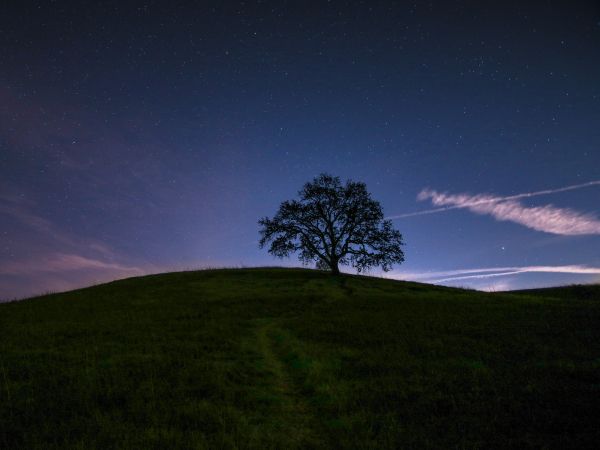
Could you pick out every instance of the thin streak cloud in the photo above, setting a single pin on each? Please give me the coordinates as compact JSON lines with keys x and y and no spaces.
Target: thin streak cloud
{"x":492,"y":272}
{"x":479,"y":200}
{"x":62,"y":262}
{"x":548,"y":218}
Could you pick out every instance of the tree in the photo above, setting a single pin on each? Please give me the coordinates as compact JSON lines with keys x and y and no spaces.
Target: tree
{"x":333,"y":224}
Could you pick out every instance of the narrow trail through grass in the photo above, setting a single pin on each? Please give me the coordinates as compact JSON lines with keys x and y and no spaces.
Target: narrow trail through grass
{"x":295,"y":416}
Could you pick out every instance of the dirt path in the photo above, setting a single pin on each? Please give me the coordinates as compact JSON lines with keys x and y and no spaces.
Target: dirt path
{"x":295,"y":416}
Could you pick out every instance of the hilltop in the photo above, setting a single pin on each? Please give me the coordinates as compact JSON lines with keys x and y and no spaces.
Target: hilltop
{"x":292,"y":358}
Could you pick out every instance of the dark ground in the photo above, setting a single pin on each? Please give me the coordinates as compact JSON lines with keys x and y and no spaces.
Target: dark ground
{"x":286,"y":358}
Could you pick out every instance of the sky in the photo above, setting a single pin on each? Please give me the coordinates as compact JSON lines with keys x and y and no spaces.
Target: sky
{"x":146,"y":138}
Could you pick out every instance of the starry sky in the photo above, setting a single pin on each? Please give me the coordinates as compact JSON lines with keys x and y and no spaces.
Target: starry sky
{"x":151,"y":137}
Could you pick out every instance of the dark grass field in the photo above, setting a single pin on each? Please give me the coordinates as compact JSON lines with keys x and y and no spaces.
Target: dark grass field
{"x":580,"y":292}
{"x":284,"y":358}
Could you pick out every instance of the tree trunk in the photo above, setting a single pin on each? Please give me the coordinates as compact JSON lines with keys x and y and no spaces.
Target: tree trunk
{"x":335,"y":270}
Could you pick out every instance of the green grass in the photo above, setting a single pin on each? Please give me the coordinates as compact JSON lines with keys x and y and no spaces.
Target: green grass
{"x":580,"y":292}
{"x":285,"y":358}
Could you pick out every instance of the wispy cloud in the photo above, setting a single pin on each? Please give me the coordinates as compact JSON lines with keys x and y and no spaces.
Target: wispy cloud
{"x":34,"y":222}
{"x":493,"y":272}
{"x":65,"y":262}
{"x":56,"y":272}
{"x":548,"y":218}
{"x":21,"y":209}
{"x":57,"y":260}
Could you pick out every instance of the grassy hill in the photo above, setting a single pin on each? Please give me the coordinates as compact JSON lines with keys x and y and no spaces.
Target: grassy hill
{"x":285,"y":358}
{"x":578,"y":291}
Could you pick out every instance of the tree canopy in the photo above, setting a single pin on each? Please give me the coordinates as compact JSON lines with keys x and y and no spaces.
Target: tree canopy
{"x":333,"y":224}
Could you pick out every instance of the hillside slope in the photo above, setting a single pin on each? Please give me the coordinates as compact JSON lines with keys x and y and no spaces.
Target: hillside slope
{"x":574,"y":292}
{"x":286,"y":358}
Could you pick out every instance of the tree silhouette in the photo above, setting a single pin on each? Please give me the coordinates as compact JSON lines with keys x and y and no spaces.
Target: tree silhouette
{"x":333,"y":224}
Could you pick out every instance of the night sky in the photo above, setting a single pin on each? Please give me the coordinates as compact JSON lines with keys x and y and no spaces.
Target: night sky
{"x":152,"y":137}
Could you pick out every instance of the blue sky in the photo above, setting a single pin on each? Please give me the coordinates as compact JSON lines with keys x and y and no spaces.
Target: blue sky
{"x":137,"y":140}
